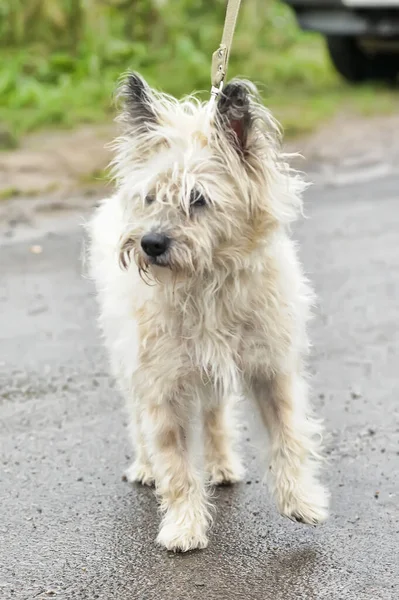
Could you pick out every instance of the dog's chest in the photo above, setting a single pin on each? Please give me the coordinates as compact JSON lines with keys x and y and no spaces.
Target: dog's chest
{"x":214,"y":331}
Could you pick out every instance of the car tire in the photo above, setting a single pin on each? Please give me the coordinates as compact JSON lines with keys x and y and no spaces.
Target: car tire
{"x":355,"y":65}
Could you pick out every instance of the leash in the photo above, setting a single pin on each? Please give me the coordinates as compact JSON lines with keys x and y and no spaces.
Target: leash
{"x":220,"y":58}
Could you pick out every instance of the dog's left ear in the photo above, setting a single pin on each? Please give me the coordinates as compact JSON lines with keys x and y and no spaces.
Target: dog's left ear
{"x":138,"y":101}
{"x":234,"y":113}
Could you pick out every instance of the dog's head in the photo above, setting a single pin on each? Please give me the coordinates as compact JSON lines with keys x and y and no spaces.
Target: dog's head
{"x":201,"y":192}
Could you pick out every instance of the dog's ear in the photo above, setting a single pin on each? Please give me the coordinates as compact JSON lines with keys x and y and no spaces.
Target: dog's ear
{"x":138,"y":101}
{"x":234,"y":113}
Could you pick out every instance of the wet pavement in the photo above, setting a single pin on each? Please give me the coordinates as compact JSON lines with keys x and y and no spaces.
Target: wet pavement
{"x":71,"y":528}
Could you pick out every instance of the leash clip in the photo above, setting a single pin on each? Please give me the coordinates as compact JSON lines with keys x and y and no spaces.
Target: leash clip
{"x":215,"y":91}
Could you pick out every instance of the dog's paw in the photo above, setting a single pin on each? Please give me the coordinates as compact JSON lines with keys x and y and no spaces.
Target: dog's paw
{"x":225,"y":472}
{"x":180,"y":538}
{"x":139,"y":472}
{"x":309,"y":507}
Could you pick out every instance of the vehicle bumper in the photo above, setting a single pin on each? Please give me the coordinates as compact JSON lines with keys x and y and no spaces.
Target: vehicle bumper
{"x":349,"y":17}
{"x":347,"y":23}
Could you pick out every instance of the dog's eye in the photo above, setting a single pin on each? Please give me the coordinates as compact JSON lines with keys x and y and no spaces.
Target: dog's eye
{"x":197,"y":199}
{"x":149,"y":199}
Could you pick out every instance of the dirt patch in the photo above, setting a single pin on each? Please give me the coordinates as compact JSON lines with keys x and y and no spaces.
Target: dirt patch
{"x":56,"y":162}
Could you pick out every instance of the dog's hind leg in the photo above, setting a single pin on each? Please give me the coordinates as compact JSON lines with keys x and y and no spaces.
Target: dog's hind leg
{"x":294,"y":438}
{"x":222,"y":463}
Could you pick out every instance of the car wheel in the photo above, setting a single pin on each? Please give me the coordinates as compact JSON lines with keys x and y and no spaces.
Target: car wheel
{"x":356,"y":65}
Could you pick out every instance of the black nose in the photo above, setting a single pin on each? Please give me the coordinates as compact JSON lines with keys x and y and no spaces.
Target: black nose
{"x":155,"y":244}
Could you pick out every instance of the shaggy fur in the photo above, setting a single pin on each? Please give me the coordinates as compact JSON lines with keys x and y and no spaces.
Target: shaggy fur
{"x":221,"y":313}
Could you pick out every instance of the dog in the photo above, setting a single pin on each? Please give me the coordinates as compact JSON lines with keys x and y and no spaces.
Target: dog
{"x":203,"y":300}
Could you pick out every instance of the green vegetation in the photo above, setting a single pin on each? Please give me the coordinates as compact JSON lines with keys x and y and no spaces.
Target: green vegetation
{"x":9,"y":192}
{"x":60,"y":60}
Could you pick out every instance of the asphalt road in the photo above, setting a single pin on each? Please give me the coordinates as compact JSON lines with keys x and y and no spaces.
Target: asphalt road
{"x":71,"y":528}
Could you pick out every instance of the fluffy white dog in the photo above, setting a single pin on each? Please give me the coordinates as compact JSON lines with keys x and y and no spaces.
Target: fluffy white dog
{"x":203,"y":299}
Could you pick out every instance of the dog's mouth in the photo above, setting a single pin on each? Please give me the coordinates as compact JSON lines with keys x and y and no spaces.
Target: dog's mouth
{"x":150,"y":267}
{"x":158,"y":261}
{"x":155,"y":269}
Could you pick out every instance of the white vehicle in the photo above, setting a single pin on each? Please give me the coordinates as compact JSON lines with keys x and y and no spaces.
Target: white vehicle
{"x":362,"y":35}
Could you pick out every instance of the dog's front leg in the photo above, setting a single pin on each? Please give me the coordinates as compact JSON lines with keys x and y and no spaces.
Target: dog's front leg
{"x":294,"y":439}
{"x":179,"y":484}
{"x":141,"y":470}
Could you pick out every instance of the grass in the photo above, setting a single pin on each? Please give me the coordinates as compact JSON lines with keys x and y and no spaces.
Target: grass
{"x":9,"y":192}
{"x":59,"y":66}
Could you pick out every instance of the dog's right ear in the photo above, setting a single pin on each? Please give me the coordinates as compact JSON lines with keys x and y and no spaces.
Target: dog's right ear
{"x":138,"y":102}
{"x":234,"y":113}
